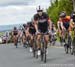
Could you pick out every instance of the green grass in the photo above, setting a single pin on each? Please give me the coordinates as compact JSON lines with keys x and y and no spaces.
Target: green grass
{"x":1,"y":33}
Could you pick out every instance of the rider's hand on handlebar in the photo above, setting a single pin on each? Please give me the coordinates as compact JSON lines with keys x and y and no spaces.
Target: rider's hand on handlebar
{"x":37,"y":32}
{"x":63,"y":28}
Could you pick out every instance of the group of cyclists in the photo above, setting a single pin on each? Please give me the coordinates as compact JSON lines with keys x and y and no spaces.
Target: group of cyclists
{"x":42,"y":25}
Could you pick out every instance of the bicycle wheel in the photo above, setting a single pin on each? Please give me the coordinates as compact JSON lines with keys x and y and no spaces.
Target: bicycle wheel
{"x":16,"y":42}
{"x":45,"y":52}
{"x":70,"y":46}
{"x":62,"y":41}
{"x":54,"y":40}
{"x":45,"y":56}
{"x":69,"y":43}
{"x":74,"y":50}
{"x":66,"y":48}
{"x":41,"y":55}
{"x":42,"y":49}
{"x":34,"y":48}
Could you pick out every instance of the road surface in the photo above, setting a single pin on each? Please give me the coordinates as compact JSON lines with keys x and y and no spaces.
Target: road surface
{"x":21,"y":57}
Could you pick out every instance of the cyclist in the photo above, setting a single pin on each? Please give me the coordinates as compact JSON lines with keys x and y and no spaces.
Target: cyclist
{"x":15,"y":36}
{"x":27,"y":34}
{"x":20,"y":35}
{"x":53,"y":32}
{"x":73,"y":19}
{"x":73,"y":26}
{"x":24,"y":36}
{"x":32,"y":31}
{"x":41,"y":21}
{"x":65,"y":22}
{"x":53,"y":28}
{"x":59,"y":25}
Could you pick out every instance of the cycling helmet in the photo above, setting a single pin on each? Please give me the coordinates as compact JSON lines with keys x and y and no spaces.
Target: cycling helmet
{"x":73,"y":14}
{"x":39,"y":9}
{"x":24,"y":25}
{"x":29,"y":23}
{"x":15,"y":28}
{"x":62,"y":14}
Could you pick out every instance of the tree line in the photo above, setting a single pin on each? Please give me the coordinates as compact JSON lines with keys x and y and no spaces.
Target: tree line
{"x":58,"y":6}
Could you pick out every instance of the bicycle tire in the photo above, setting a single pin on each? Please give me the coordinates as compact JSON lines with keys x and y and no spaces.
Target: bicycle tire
{"x":45,"y":56}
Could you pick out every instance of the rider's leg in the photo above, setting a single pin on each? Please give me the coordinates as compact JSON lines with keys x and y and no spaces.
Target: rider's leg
{"x":38,"y":44}
{"x":15,"y":40}
{"x":63,"y":36}
{"x":38,"y":41}
{"x":29,"y":38}
{"x":46,"y":40}
{"x":31,"y":41}
{"x":24,"y":41}
{"x":60,"y":35}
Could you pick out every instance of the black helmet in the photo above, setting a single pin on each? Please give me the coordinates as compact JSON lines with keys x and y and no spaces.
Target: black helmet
{"x":29,"y":23}
{"x":62,"y":14}
{"x":73,"y":14}
{"x":39,"y":9}
{"x":24,"y":25}
{"x":15,"y":28}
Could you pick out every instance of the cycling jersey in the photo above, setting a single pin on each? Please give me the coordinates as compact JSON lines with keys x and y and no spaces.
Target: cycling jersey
{"x":15,"y":32}
{"x":32,"y":29}
{"x":23,"y":31}
{"x":42,"y":22}
{"x":66,"y":22}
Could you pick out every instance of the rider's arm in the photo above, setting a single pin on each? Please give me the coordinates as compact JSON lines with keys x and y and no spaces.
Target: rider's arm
{"x":55,"y":28}
{"x":50,"y":23}
{"x":58,"y":25}
{"x":18,"y":33}
{"x":62,"y":26}
{"x":71,"y":23}
{"x":35,"y":22}
{"x":12,"y":33}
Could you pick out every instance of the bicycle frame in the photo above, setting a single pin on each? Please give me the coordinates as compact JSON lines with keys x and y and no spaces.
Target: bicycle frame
{"x":43,"y":48}
{"x":68,"y":41}
{"x":73,"y":44}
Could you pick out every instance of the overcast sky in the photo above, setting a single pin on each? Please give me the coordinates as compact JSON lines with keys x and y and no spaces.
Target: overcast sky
{"x":19,"y":11}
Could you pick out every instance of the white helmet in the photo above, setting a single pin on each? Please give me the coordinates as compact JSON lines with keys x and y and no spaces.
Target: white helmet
{"x":39,"y":9}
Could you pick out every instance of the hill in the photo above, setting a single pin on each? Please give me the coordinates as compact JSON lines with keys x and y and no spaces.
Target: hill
{"x":4,"y":28}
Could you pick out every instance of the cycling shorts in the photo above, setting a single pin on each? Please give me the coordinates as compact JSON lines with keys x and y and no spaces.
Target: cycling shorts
{"x":43,"y":27}
{"x":66,"y":25}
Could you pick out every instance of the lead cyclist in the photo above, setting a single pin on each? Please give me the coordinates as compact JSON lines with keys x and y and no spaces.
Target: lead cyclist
{"x":42,"y":23}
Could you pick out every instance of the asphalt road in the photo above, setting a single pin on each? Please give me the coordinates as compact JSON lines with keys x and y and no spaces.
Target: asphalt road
{"x":21,"y":57}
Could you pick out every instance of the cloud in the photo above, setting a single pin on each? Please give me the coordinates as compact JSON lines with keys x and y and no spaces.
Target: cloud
{"x":15,"y":2}
{"x":19,"y":11}
{"x":16,"y":14}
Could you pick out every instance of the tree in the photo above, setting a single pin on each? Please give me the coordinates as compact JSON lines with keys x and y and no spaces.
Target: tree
{"x":73,"y":5}
{"x":58,"y":6}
